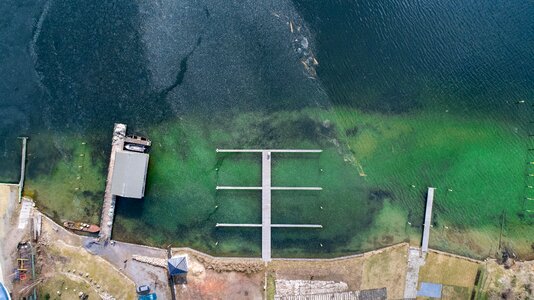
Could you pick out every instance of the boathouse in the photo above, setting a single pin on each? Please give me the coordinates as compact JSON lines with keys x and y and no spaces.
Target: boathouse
{"x":129,"y":174}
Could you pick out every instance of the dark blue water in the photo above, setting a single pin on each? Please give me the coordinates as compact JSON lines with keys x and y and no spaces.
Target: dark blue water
{"x":74,"y":65}
{"x":73,"y":68}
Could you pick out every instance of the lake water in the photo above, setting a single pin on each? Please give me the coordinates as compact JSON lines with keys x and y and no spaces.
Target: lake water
{"x":400,"y":96}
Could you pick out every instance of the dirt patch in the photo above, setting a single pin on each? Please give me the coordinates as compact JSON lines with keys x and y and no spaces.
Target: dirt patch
{"x":516,"y":282}
{"x":230,"y":285}
{"x":221,"y":278}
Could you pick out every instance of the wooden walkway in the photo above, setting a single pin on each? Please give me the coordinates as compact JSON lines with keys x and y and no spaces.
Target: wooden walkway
{"x":428,"y":219}
{"x":108,"y":209}
{"x":266,"y":189}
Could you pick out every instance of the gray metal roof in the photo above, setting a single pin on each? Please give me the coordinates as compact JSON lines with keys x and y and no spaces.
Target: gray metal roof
{"x":177,"y":265}
{"x":129,"y":174}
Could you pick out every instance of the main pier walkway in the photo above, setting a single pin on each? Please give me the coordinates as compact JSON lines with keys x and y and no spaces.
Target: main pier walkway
{"x":108,"y":209}
{"x":416,"y":256}
{"x":428,"y":219}
{"x":266,"y":189}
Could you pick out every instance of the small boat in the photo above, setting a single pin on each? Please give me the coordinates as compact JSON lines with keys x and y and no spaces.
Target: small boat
{"x":136,"y":148}
{"x":79,"y":226}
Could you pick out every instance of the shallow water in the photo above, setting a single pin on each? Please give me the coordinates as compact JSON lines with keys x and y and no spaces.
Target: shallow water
{"x":409,"y":95}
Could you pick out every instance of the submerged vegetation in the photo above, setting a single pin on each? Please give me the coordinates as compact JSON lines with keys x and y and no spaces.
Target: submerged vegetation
{"x":374,"y":171}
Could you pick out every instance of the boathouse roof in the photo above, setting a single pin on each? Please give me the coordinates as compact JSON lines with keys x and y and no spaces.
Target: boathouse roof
{"x":129,"y":174}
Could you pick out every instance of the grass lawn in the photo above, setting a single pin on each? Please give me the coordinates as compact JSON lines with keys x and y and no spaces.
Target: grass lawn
{"x":386,"y":268}
{"x":448,"y":270}
{"x":68,"y":257}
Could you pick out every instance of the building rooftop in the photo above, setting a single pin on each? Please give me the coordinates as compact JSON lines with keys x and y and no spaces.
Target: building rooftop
{"x":177,"y":265}
{"x":129,"y":174}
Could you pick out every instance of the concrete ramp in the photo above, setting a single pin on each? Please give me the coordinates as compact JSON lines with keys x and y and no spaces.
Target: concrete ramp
{"x":25,"y":213}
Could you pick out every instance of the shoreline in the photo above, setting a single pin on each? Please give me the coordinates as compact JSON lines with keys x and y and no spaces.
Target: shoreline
{"x":126,"y":259}
{"x":318,"y":259}
{"x":149,"y":248}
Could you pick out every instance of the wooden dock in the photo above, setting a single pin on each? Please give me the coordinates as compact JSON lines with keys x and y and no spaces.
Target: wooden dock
{"x":108,"y":208}
{"x":266,"y":189}
{"x":428,"y":219}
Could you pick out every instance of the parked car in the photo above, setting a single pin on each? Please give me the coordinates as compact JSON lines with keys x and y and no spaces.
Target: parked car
{"x":143,"y":290}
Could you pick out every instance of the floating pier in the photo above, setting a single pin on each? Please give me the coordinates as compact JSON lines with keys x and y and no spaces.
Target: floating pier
{"x":266,"y":189}
{"x":428,"y":219}
{"x":108,"y":209}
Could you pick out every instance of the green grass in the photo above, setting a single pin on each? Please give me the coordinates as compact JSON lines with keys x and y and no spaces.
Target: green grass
{"x":271,"y":286}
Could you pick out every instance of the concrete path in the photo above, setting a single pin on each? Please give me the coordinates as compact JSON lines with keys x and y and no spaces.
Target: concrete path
{"x":415,"y":261}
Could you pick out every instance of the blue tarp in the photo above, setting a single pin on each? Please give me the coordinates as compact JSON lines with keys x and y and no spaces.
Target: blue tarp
{"x":4,"y":295}
{"x":148,"y":297}
{"x":430,"y":290}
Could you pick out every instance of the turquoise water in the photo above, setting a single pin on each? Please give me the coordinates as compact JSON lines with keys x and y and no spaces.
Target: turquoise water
{"x":407,"y":94}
